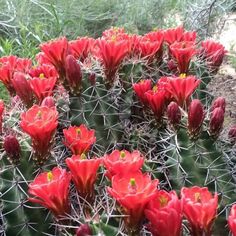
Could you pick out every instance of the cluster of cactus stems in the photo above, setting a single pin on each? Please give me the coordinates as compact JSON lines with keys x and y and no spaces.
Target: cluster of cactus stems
{"x":116,"y":136}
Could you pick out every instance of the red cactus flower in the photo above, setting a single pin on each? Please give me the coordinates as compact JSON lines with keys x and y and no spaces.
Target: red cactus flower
{"x":84,"y":174}
{"x":122,"y":162}
{"x":219,"y":102}
{"x":216,"y":121}
{"x":141,"y":88}
{"x":8,"y":66}
{"x":173,"y":114}
{"x":189,"y":36}
{"x":200,"y":209}
{"x":73,"y":74}
{"x":165,"y":214}
{"x":196,"y":116}
{"x":12,"y":148}
{"x":55,"y":52}
{"x":23,"y":89}
{"x":182,"y":88}
{"x":156,"y":101}
{"x":79,"y":139}
{"x":173,"y":35}
{"x":81,"y":47}
{"x":133,"y":191}
{"x":111,"y":54}
{"x":40,"y":123}
{"x":50,"y":189}
{"x":43,"y":81}
{"x":113,"y":33}
{"x":183,"y":53}
{"x":213,"y":53}
{"x":232,"y":134}
{"x":232,"y":220}
{"x":2,"y":107}
{"x":84,"y":230}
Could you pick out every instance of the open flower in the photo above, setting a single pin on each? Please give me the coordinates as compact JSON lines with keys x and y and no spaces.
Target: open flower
{"x":121,"y":162}
{"x":79,"y":139}
{"x":183,"y":53}
{"x":50,"y":189}
{"x":182,"y":88}
{"x":165,"y":214}
{"x":81,"y":47}
{"x":133,"y":191}
{"x":40,"y":123}
{"x":84,"y":174}
{"x":232,"y":220}
{"x":200,"y":209}
{"x":141,"y":88}
{"x":43,"y":80}
{"x":2,"y":107}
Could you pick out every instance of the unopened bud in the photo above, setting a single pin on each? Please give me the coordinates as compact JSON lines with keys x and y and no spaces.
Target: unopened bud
{"x":174,"y":114}
{"x":232,"y":134}
{"x":196,"y":116}
{"x":219,"y":102}
{"x":48,"y":102}
{"x":12,"y":148}
{"x":73,"y":74}
{"x":2,"y":107}
{"x":216,"y":121}
{"x":23,"y":89}
{"x":84,"y":230}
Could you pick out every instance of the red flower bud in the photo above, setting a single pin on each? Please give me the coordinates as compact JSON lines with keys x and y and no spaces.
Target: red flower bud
{"x":232,"y":220}
{"x":48,"y":102}
{"x":73,"y":74}
{"x":23,"y":89}
{"x":195,"y":118}
{"x":12,"y":148}
{"x":216,"y":121}
{"x":84,"y":230}
{"x":219,"y":102}
{"x":2,"y":106}
{"x":232,"y":134}
{"x":174,"y":114}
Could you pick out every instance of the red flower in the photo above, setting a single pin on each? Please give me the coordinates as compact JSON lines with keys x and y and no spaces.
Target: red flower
{"x":50,"y":190}
{"x":114,"y":33}
{"x":219,"y":102}
{"x":23,"y":89}
{"x":183,"y":53}
{"x":232,"y":220}
{"x":173,"y":114}
{"x":232,"y":134}
{"x":2,"y":107}
{"x":156,"y":101}
{"x":133,"y":191}
{"x":173,"y":35}
{"x":200,"y":209}
{"x":214,"y":54}
{"x":43,"y":81}
{"x":122,"y":162}
{"x":79,"y":139}
{"x":84,"y":174}
{"x":8,"y":66}
{"x":196,"y":116}
{"x":81,"y":47}
{"x":189,"y":36}
{"x":165,"y":214}
{"x":111,"y":54}
{"x":73,"y":74}
{"x":182,"y":88}
{"x":40,"y":123}
{"x":141,"y":88}
{"x":55,"y":52}
{"x":84,"y":230}
{"x":216,"y":121}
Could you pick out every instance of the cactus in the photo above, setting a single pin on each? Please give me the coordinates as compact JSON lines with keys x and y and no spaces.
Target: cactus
{"x":153,"y":117}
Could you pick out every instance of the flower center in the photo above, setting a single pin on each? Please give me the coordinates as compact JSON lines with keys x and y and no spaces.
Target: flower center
{"x":197,"y":197}
{"x":78,"y":131}
{"x":49,"y":176}
{"x":182,"y":75}
{"x":132,"y":185}
{"x":41,"y":76}
{"x":122,"y":155}
{"x":163,"y":201}
{"x":155,"y":88}
{"x":39,"y":115}
{"x":82,"y":156}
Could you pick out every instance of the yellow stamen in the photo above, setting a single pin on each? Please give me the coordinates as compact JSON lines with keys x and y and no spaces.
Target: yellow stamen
{"x":113,"y":38}
{"x":122,"y":154}
{"x":163,"y":201}
{"x":155,"y":88}
{"x":132,"y":182}
{"x":82,"y":156}
{"x":41,"y":76}
{"x":49,"y":176}
{"x":197,"y":197}
{"x":39,"y":115}
{"x":78,"y":131}
{"x":183,"y":75}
